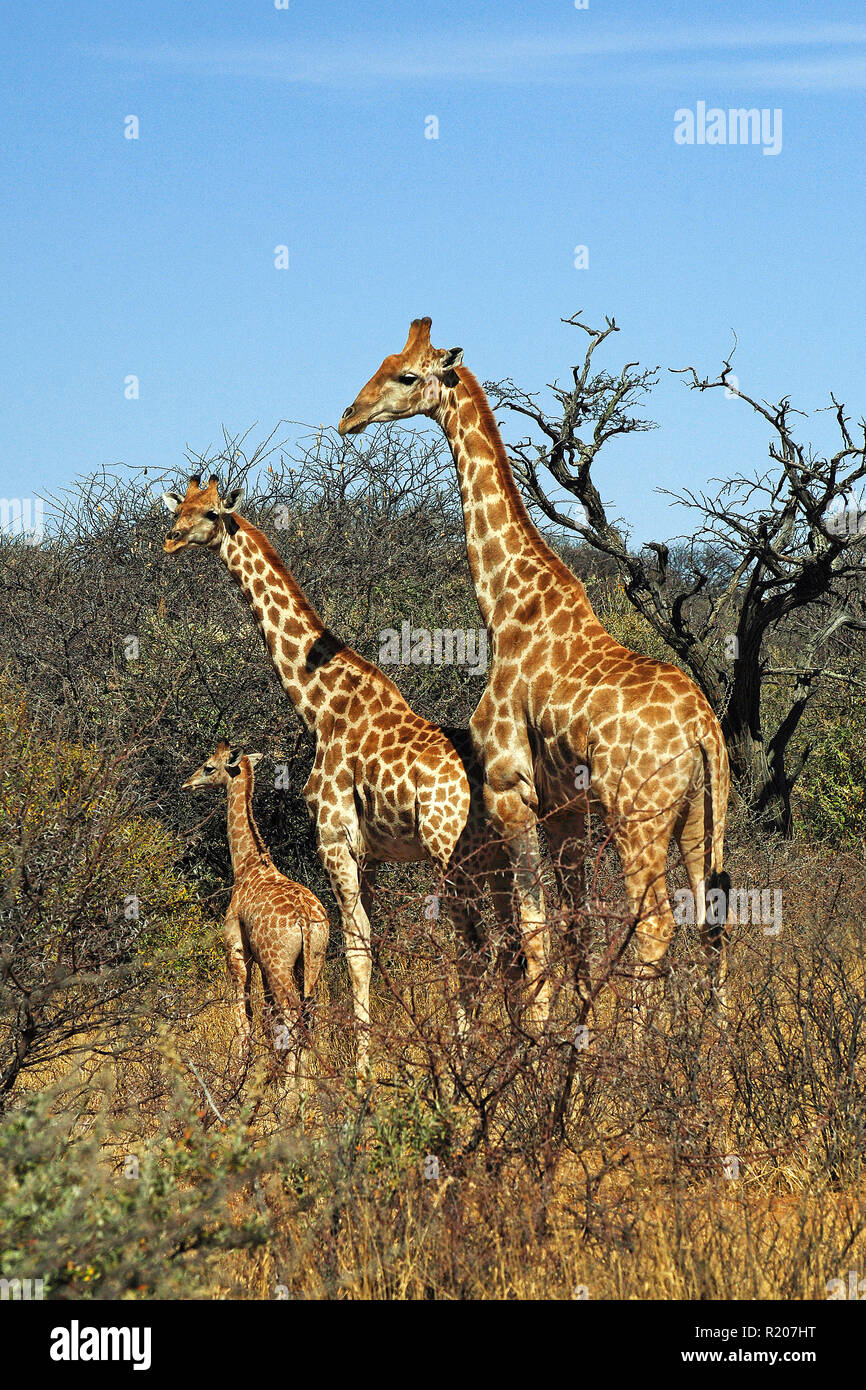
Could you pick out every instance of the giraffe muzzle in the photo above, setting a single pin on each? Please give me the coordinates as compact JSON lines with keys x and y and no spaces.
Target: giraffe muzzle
{"x":349,"y":424}
{"x":173,"y":541}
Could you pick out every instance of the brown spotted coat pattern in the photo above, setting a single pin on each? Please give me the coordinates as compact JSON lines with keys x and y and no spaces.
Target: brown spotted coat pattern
{"x":563,"y":694}
{"x":386,"y":784}
{"x":271,"y":921}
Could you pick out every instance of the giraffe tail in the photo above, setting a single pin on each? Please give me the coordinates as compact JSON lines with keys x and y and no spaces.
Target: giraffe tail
{"x":716,"y":787}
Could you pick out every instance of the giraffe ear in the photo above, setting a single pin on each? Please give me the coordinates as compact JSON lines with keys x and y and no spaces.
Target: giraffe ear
{"x":172,"y":500}
{"x":451,"y":358}
{"x":255,"y":758}
{"x":230,"y":501}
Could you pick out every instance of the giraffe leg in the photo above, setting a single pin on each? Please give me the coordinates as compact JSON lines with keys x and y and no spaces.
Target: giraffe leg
{"x":308,"y":967}
{"x":510,"y":960}
{"x":490,"y":869}
{"x":462,"y":908}
{"x":644,"y":856}
{"x":343,"y":872}
{"x":239,"y":964}
{"x":513,"y":819}
{"x":565,"y":834}
{"x":368,"y":885}
{"x":284,"y":1017}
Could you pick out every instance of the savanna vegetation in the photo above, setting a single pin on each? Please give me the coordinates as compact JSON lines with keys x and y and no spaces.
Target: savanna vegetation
{"x":138,"y":1161}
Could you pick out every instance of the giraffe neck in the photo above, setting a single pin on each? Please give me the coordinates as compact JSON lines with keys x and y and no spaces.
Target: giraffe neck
{"x":501,"y":540}
{"x":245,"y":841}
{"x":295,"y":636}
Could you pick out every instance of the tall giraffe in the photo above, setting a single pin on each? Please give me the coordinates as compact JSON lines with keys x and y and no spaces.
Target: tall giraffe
{"x":386,"y":784}
{"x":564,"y":700}
{"x":278,"y":924}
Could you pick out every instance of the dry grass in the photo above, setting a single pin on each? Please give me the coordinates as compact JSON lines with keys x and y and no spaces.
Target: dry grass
{"x":703,"y":1165}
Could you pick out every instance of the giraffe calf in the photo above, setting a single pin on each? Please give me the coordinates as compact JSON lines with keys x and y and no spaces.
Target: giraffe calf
{"x":278,"y":924}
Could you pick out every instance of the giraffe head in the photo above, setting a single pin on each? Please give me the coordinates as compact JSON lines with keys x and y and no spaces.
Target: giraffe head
{"x":219,"y":769}
{"x":201,"y":517}
{"x":408,"y":383}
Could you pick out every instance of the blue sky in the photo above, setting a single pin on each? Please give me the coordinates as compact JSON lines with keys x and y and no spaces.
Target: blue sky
{"x":306,"y":127}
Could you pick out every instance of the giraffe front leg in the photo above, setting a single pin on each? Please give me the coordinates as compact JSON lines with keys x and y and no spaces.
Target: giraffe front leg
{"x":343,"y":871}
{"x":650,"y":979}
{"x":565,"y":838}
{"x":239,"y":966}
{"x":470,"y":957}
{"x":513,"y":819}
{"x":368,"y":885}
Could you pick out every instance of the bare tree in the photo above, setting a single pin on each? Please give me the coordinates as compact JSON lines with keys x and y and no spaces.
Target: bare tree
{"x":775,"y":564}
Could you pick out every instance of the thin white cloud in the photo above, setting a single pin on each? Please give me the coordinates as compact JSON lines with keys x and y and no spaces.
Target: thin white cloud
{"x":831,"y":74}
{"x":535,"y":57}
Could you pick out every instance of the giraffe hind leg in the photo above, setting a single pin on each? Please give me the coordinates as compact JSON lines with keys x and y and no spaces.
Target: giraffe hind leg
{"x":308,"y":967}
{"x":643,"y":855}
{"x":282,"y":1011}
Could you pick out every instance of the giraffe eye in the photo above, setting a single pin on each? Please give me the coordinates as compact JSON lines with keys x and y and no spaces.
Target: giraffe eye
{"x":212,"y":516}
{"x":208,"y":770}
{"x":407,"y":378}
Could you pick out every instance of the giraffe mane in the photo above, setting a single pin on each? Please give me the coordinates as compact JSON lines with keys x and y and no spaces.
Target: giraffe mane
{"x":279,"y":566}
{"x":248,"y":801}
{"x":506,"y":477}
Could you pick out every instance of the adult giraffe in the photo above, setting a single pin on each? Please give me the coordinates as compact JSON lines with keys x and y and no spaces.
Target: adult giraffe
{"x":386,"y":784}
{"x":563,"y":695}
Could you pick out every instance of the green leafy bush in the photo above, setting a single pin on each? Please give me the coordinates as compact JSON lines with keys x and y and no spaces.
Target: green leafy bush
{"x":831,"y":795}
{"x":95,"y":910}
{"x":95,"y":1219}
